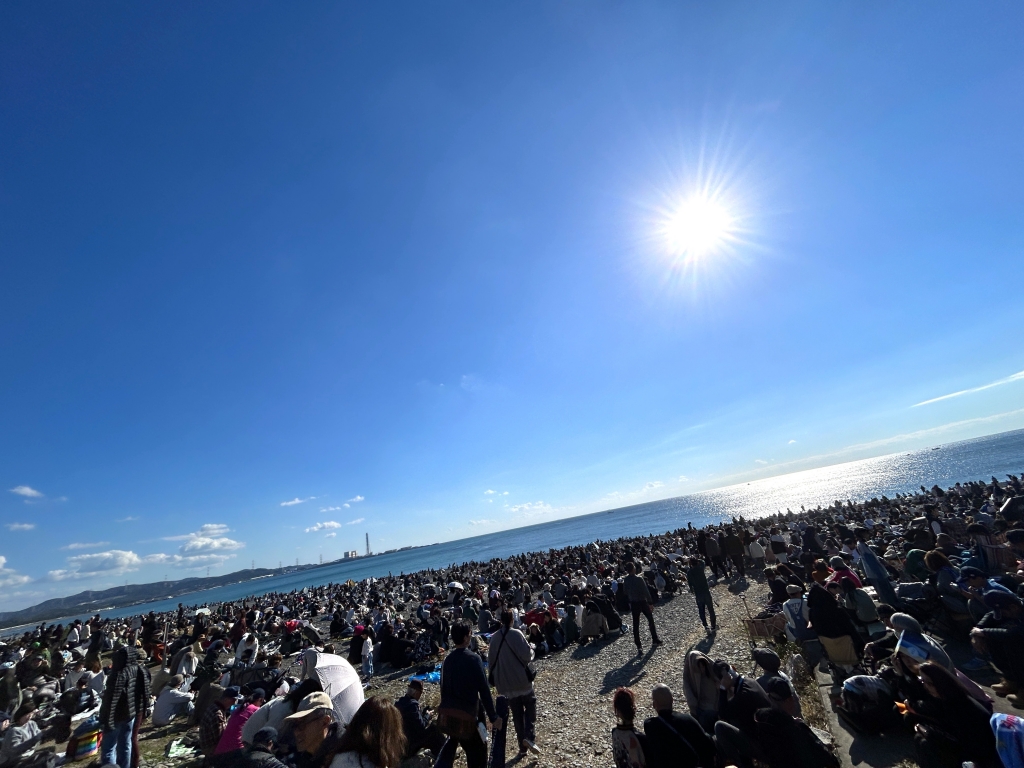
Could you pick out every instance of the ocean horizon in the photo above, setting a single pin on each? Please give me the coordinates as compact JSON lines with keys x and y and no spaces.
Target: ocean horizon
{"x":974,"y":459}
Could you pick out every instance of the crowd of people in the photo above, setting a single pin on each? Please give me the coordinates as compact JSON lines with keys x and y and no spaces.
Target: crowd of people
{"x":869,"y":591}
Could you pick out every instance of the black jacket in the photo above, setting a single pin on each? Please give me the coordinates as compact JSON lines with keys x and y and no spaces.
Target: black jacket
{"x":676,"y":740}
{"x":739,"y":710}
{"x":414,"y":722}
{"x":464,"y":683}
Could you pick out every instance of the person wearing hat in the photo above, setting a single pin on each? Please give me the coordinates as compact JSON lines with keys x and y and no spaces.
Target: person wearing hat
{"x":785,"y":696}
{"x":215,"y":719}
{"x":313,"y":724}
{"x":261,"y":753}
{"x":998,"y":637}
{"x":231,"y":739}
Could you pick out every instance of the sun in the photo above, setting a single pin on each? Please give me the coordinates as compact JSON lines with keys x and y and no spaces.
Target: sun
{"x":700,"y":226}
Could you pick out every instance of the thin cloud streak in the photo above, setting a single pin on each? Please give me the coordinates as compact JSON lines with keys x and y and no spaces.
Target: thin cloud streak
{"x":998,"y":383}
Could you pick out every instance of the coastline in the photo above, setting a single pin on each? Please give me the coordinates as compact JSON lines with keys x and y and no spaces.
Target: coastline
{"x":933,"y":465}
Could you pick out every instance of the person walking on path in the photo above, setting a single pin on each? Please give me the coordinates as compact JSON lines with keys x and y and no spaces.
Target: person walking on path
{"x":508,"y":659}
{"x":697,"y":581}
{"x":639,"y":602}
{"x":464,"y":689}
{"x":125,"y":697}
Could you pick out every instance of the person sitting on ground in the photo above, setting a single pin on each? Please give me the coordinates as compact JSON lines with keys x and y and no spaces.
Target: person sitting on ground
{"x":820,"y":572}
{"x":999,"y":637}
{"x":374,"y":738}
{"x":777,"y":585}
{"x":907,"y":626}
{"x":315,"y":729}
{"x":420,"y":732}
{"x":736,"y":732}
{"x":674,"y":739}
{"x":22,"y":736}
{"x":951,"y":727}
{"x":211,"y":727}
{"x":787,"y":698}
{"x":595,"y":624}
{"x":231,"y":738}
{"x":700,"y":688}
{"x":947,"y":577}
{"x":261,"y":753}
{"x":172,"y":702}
{"x":789,"y":742}
{"x":860,"y":605}
{"x":883,"y":646}
{"x":797,"y":616}
{"x":842,"y":571}
{"x":829,"y":620}
{"x":629,"y":747}
{"x":273,"y":713}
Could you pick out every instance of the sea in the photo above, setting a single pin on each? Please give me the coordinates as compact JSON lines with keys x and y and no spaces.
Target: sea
{"x":978,"y":459}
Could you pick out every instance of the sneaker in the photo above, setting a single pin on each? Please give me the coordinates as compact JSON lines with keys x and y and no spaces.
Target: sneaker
{"x":531,"y":747}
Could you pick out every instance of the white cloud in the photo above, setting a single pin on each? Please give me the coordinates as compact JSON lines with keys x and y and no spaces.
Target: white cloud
{"x":330,"y":509}
{"x":482,"y":522}
{"x":505,"y":493}
{"x":356,"y":499}
{"x":356,"y":521}
{"x":208,"y":539}
{"x":112,"y":563}
{"x":330,"y":535}
{"x":80,"y":545}
{"x":684,"y":479}
{"x":1019,"y":376}
{"x":489,"y":492}
{"x":20,"y":526}
{"x":327,"y":524}
{"x":652,"y":485}
{"x":129,"y":519}
{"x":24,"y":490}
{"x":791,"y":442}
{"x":10,"y":578}
{"x":760,"y":461}
{"x":296,"y":500}
{"x":531,"y":509}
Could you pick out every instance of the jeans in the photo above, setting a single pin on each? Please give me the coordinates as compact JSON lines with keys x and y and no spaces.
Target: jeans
{"x":472,"y":745}
{"x":117,"y":745}
{"x":704,"y":602}
{"x":368,"y":665}
{"x":524,"y":716}
{"x":646,"y":610}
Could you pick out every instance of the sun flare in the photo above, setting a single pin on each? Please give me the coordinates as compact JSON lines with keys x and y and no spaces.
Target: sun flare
{"x":698,"y":227}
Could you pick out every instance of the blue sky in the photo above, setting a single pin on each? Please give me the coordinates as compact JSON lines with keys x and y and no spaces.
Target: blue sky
{"x":383,"y":260}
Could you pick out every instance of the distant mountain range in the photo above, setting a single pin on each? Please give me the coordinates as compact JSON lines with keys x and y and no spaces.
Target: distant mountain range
{"x":92,"y":601}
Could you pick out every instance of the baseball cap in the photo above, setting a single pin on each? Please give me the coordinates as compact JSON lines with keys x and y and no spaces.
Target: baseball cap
{"x":232,"y":692}
{"x":313,"y":702}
